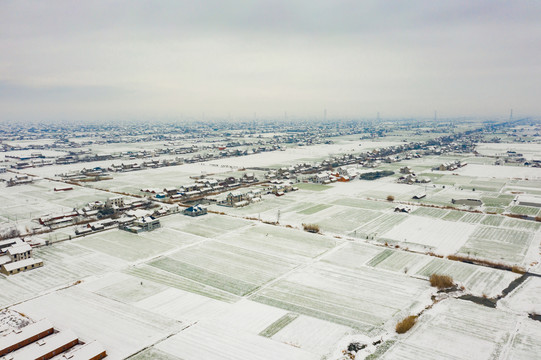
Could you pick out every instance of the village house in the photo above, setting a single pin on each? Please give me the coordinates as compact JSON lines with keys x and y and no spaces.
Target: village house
{"x":406,"y":170}
{"x":20,"y":180}
{"x":450,"y":166}
{"x":196,"y":210}
{"x":322,"y":178}
{"x":419,"y":195}
{"x":402,"y":209}
{"x":116,"y":202}
{"x":146,"y":223}
{"x":17,"y":257}
{"x":248,"y":178}
{"x":524,"y":200}
{"x":58,"y":219}
{"x":236,"y":199}
{"x":408,"y":179}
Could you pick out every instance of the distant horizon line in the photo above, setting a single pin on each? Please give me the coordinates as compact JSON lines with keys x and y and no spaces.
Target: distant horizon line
{"x":246,"y":119}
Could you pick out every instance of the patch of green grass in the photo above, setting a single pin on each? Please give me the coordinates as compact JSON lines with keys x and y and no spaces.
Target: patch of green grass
{"x":314,"y":209}
{"x":471,"y":218}
{"x":430,"y":212}
{"x":493,"y":220}
{"x":312,"y":187}
{"x":218,"y":280}
{"x":380,"y":257}
{"x":453,"y":216}
{"x":524,"y":210}
{"x":278,"y":325}
{"x":179,"y":282}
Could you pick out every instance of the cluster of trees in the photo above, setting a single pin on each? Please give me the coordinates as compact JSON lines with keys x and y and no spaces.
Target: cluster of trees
{"x":9,"y":233}
{"x":376,"y":175}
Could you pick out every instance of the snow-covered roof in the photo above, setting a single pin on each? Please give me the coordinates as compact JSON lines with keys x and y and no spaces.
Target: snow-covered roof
{"x":44,"y":346}
{"x":19,"y":248}
{"x":86,"y":351}
{"x":20,"y":264}
{"x":4,"y":259}
{"x":24,"y":333}
{"x":196,"y":208}
{"x":529,"y":199}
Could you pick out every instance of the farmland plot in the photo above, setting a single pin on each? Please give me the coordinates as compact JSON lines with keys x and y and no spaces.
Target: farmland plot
{"x":430,"y":212}
{"x":443,"y":236}
{"x":501,"y":172}
{"x":352,"y":256}
{"x":496,"y":200}
{"x":521,"y":224}
{"x":192,"y":344}
{"x":125,"y":288}
{"x":253,"y":317}
{"x":347,"y":220}
{"x":453,"y":215}
{"x":492,"y":220}
{"x":488,"y":185}
{"x":524,"y":210}
{"x":364,"y":204}
{"x":183,"y":305}
{"x":314,"y":209}
{"x":312,"y":187}
{"x":207,"y":226}
{"x":229,"y":268}
{"x":472,"y":218}
{"x":152,"y":273}
{"x":398,"y":261}
{"x":314,"y":335}
{"x":526,"y":343}
{"x":290,"y":244}
{"x":382,"y":224}
{"x":122,"y":329}
{"x":456,"y":329}
{"x":124,"y":245}
{"x":337,"y":294}
{"x":476,"y":279}
{"x":64,"y":264}
{"x":153,"y":354}
{"x":526,"y":297}
{"x":498,"y":244}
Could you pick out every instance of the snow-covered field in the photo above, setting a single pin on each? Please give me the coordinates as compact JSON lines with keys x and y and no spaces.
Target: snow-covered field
{"x":444,"y":237}
{"x":21,"y":204}
{"x":231,"y":286}
{"x":526,"y":298}
{"x":456,"y":329}
{"x":500,"y":171}
{"x":529,"y":150}
{"x":122,"y":329}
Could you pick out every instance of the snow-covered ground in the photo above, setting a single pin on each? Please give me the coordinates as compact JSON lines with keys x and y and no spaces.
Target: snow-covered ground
{"x":229,"y":286}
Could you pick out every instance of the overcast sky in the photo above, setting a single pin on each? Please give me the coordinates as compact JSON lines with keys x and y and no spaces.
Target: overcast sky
{"x":171,"y":59}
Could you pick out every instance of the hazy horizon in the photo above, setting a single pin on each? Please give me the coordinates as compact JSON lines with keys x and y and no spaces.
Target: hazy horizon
{"x":141,"y":60}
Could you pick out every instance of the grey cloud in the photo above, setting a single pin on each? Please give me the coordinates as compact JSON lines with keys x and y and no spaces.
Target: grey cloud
{"x":358,"y":57}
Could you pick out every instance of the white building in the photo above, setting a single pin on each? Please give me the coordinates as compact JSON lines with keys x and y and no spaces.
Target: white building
{"x":115,"y":202}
